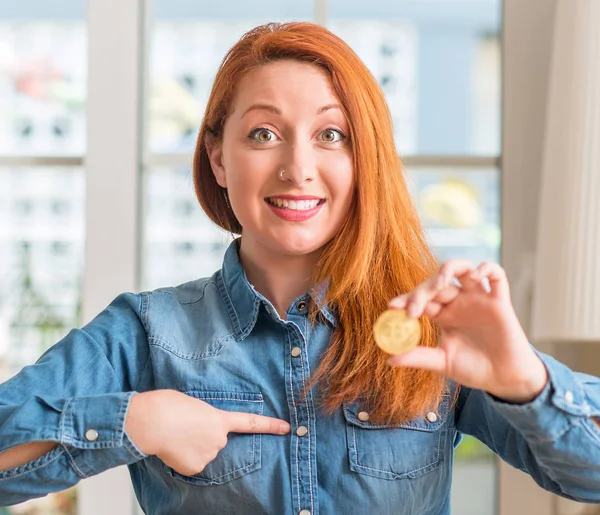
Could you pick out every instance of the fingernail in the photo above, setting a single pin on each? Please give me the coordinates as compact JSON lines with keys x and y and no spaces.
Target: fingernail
{"x":284,"y":428}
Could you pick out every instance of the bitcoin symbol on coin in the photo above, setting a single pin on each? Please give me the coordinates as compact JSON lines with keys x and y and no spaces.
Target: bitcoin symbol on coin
{"x":395,"y":332}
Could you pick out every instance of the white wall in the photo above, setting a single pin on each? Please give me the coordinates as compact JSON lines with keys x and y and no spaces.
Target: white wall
{"x":527,"y":43}
{"x":528,"y":28}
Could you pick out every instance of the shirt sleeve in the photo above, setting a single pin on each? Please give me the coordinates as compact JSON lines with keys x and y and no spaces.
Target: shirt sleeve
{"x":553,"y":438}
{"x":77,"y":395}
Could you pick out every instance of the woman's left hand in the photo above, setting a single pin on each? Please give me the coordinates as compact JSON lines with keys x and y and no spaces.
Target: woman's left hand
{"x":482,"y":344}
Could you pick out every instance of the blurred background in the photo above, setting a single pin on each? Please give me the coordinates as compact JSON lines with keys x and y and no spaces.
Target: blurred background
{"x":100,"y":105}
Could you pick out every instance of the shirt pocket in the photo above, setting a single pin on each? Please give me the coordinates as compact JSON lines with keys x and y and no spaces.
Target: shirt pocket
{"x":401,"y":451}
{"x":242,"y":454}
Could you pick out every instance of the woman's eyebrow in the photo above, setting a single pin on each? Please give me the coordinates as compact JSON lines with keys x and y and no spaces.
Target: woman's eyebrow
{"x":267,"y":107}
{"x":275,"y":110}
{"x":328,"y":107}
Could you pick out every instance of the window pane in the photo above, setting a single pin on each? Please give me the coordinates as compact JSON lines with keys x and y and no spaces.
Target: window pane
{"x":42,"y":77}
{"x":438,"y":62}
{"x":188,"y":43}
{"x":460,"y":210}
{"x":41,"y":264}
{"x":181,"y":243}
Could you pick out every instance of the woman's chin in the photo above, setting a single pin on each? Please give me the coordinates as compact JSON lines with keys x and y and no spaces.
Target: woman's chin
{"x":295,"y":244}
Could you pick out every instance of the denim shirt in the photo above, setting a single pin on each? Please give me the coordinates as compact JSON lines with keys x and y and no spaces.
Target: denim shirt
{"x":219,"y":340}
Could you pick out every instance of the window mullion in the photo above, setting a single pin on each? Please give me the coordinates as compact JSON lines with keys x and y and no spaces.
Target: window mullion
{"x":112,"y":207}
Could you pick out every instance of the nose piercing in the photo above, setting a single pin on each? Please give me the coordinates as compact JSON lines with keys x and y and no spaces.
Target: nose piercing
{"x":281,"y":177}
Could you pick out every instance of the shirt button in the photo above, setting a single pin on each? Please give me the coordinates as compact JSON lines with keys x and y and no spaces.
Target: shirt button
{"x":91,"y":435}
{"x":363,"y":416}
{"x":301,"y":307}
{"x":296,"y":351}
{"x":431,"y":416}
{"x":302,"y":431}
{"x":569,"y":396}
{"x":304,"y":512}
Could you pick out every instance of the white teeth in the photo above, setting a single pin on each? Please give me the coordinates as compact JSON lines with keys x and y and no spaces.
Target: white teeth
{"x":296,"y":205}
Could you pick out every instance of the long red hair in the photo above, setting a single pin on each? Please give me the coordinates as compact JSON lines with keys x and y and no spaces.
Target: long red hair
{"x":380,"y":250}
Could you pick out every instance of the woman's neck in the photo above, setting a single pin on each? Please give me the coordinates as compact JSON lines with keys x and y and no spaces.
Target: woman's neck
{"x":278,"y":277}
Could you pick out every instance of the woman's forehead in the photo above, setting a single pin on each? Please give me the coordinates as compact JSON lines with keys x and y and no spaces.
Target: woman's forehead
{"x":285,"y":84}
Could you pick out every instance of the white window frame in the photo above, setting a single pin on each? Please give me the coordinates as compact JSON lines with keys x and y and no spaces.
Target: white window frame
{"x":112,"y":167}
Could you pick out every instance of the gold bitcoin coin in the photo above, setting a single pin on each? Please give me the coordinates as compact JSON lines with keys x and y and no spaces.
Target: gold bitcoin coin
{"x":395,"y":332}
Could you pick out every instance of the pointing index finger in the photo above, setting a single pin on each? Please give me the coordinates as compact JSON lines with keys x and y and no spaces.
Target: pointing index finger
{"x":238,"y":422}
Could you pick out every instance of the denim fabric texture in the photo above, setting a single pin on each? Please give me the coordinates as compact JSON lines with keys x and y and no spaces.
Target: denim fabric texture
{"x":219,"y":340}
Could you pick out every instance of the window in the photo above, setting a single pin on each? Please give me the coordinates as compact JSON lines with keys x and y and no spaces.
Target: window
{"x":438,"y":62}
{"x":42,"y":140}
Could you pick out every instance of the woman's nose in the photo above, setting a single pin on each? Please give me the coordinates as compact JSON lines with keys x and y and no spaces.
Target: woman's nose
{"x":295,"y":175}
{"x":301,"y":166}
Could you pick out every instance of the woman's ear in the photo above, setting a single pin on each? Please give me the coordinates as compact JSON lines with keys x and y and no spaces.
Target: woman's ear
{"x":214,"y":149}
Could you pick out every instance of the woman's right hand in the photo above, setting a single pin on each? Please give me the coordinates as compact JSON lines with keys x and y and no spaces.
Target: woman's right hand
{"x":187,"y":433}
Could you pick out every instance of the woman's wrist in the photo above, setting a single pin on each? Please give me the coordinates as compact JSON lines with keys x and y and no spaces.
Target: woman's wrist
{"x":140,"y":423}
{"x":528,"y":386}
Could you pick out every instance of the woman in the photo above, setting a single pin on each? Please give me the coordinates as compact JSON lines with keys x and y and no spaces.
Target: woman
{"x":260,"y":389}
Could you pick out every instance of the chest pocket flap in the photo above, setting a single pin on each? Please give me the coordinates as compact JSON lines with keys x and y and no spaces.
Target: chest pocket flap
{"x":401,"y":451}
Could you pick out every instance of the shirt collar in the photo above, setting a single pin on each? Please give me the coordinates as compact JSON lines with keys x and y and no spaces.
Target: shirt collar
{"x":318,"y":294}
{"x":242,"y":301}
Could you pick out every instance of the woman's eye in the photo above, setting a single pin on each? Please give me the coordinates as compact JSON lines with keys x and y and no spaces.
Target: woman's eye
{"x":331,"y":136}
{"x":262,"y":135}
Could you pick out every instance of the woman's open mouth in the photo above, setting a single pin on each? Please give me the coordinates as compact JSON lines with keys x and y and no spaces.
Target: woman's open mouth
{"x":295,"y":209}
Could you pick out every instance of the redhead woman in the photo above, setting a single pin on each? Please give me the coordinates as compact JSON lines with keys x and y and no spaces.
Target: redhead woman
{"x":260,"y":390}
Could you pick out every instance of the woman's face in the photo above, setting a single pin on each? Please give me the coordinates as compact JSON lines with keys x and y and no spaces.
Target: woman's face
{"x":286,"y":159}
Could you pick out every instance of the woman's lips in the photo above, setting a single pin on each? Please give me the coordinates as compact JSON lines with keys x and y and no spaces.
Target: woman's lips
{"x":295,"y":215}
